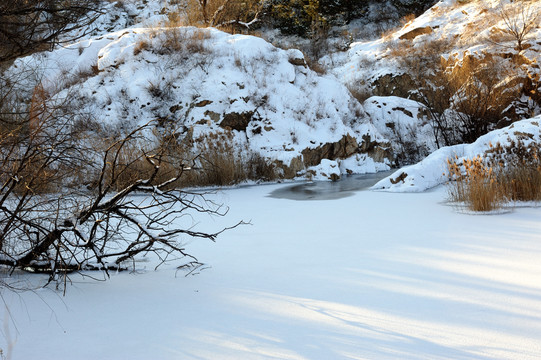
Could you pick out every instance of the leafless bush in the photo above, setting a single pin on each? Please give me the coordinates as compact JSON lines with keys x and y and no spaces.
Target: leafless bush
{"x":466,"y":98}
{"x":29,"y":26}
{"x":51,"y":222}
{"x":520,"y":18}
{"x":229,"y":15}
{"x":480,"y":99}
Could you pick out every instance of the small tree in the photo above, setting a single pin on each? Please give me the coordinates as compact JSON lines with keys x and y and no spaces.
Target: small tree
{"x":520,"y":19}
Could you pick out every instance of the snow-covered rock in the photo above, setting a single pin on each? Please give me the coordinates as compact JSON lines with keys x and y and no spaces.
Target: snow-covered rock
{"x":433,"y":170}
{"x":405,"y":123}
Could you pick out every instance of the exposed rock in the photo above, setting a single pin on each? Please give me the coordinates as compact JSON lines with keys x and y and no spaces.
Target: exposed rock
{"x":237,"y":121}
{"x":341,"y":149}
{"x":296,"y":57}
{"x":410,"y":35}
{"x":203,"y":103}
{"x":399,"y":178}
{"x":406,"y":112}
{"x":377,"y":151}
{"x":290,"y":171}
{"x":214,"y":116}
{"x":298,"y":62}
{"x":256,"y":130}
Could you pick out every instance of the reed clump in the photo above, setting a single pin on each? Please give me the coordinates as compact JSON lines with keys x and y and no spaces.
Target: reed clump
{"x":503,"y":174}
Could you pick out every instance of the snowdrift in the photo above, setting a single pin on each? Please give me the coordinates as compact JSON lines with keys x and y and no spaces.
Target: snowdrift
{"x":433,"y":171}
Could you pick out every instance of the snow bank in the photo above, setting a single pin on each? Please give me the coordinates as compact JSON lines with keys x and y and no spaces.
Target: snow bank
{"x":432,"y":171}
{"x":405,"y":123}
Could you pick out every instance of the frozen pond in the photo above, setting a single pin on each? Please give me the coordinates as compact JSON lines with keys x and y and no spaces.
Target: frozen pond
{"x":375,"y":275}
{"x":329,"y":190}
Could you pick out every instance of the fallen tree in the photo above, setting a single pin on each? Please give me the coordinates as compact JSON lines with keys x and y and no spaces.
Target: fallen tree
{"x":72,"y":199}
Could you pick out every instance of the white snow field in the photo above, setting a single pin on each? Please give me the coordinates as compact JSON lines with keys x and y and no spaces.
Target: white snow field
{"x":376,"y":275}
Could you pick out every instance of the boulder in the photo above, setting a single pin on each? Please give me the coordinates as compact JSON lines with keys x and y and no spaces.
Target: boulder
{"x":237,"y":121}
{"x":290,"y":171}
{"x":377,"y":151}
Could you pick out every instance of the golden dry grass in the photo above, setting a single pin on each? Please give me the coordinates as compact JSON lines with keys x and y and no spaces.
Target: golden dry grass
{"x":504,"y":174}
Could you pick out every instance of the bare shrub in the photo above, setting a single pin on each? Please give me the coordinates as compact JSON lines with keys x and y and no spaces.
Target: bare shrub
{"x":520,"y":18}
{"x":431,"y":83}
{"x":466,"y":97}
{"x":30,"y":26}
{"x":50,"y":222}
{"x":229,"y":15}
{"x":479,"y":98}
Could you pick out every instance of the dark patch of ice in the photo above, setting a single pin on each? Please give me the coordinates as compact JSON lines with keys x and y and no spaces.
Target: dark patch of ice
{"x":329,"y":190}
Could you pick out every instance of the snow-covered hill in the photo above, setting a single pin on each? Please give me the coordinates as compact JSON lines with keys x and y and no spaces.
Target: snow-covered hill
{"x":470,"y":28}
{"x":203,"y":81}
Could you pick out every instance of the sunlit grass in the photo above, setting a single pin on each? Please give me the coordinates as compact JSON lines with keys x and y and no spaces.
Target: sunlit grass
{"x":502,"y":175}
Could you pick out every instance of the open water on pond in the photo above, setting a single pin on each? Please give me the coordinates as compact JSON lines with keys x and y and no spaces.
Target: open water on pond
{"x":329,"y":190}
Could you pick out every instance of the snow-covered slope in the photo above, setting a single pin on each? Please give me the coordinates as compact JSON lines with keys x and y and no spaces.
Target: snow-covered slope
{"x":469,"y":28}
{"x":433,"y":170}
{"x":202,"y":81}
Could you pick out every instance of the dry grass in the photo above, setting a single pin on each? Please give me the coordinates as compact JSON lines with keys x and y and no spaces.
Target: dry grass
{"x":315,"y":66}
{"x":140,"y":46}
{"x":521,"y":180}
{"x":183,"y":40}
{"x":504,"y":174}
{"x":210,"y":160}
{"x":475,"y":185}
{"x":217,"y":161}
{"x":361,"y":92}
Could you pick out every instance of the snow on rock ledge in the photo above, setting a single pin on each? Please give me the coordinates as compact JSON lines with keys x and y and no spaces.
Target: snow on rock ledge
{"x":432,"y":171}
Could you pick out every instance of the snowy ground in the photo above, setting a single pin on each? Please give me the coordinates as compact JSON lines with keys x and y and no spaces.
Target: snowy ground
{"x":371,"y":276}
